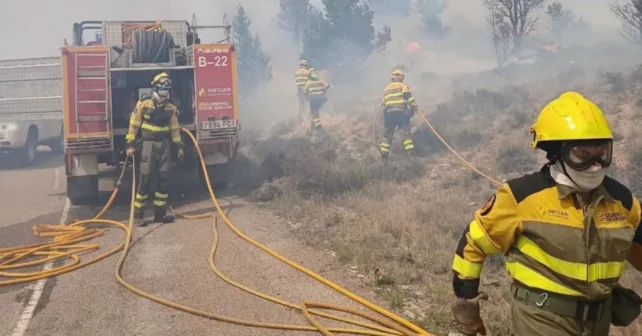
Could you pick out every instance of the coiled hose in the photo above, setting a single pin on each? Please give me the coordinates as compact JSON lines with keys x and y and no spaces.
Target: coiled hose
{"x":67,"y":237}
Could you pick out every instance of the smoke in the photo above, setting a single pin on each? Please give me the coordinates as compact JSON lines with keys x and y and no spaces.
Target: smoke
{"x":37,"y":28}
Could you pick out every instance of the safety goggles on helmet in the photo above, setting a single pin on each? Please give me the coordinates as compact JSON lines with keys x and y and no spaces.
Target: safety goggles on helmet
{"x":581,"y":155}
{"x":314,"y":76}
{"x":163,"y":82}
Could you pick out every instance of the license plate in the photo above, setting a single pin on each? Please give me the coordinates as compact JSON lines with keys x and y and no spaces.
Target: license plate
{"x":215,"y":124}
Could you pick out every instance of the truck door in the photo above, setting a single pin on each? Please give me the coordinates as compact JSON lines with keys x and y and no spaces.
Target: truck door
{"x":216,"y":99}
{"x":31,"y":90}
{"x":87,"y":99}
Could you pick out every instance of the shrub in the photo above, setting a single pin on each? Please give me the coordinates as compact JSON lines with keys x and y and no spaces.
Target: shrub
{"x":514,"y":159}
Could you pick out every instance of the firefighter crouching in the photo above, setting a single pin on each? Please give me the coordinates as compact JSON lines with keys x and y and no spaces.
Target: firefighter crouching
{"x":157,"y":118}
{"x":399,"y":106}
{"x":566,"y":232}
{"x":301,"y":78}
{"x":315,"y":90}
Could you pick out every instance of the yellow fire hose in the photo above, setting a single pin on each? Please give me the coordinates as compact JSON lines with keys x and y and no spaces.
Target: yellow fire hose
{"x":432,"y":129}
{"x":67,"y":237}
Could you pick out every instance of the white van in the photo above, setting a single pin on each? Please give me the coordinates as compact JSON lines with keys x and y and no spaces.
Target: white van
{"x":30,"y":107}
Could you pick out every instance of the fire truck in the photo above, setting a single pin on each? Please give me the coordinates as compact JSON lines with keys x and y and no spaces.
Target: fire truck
{"x":105,"y":77}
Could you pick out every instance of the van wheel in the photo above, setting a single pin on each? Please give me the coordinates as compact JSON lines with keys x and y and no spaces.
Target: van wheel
{"x":28,"y":152}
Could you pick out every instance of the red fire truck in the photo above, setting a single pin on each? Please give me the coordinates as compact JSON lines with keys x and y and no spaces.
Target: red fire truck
{"x":104,"y":78}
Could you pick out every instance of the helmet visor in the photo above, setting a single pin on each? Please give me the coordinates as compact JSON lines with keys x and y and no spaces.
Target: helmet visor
{"x":582,"y":155}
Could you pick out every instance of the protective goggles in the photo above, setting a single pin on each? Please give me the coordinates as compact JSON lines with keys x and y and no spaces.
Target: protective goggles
{"x":164,"y":83}
{"x":581,"y":155}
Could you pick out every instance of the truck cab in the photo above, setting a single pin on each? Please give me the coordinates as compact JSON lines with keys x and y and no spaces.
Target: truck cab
{"x":105,"y":77}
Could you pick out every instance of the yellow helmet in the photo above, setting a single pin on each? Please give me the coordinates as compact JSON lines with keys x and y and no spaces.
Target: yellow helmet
{"x":397,"y":75}
{"x":570,"y":117}
{"x":303,"y":63}
{"x":159,"y":78}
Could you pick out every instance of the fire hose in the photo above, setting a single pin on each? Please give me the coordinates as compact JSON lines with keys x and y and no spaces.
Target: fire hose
{"x":66,"y":244}
{"x":432,"y":129}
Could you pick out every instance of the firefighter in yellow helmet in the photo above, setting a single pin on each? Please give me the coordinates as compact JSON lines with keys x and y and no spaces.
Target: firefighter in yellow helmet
{"x":301,"y":78}
{"x":157,"y":118}
{"x":566,"y":232}
{"x":399,"y":106}
{"x":315,"y":90}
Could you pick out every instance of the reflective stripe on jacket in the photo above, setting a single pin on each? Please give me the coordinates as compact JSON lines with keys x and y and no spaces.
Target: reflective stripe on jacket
{"x":155,"y":122}
{"x":397,"y":95}
{"x":553,"y":240}
{"x":301,"y":77}
{"x":315,"y":87}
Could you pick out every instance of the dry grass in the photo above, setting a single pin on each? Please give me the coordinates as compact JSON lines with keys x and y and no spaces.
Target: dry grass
{"x":398,"y":224}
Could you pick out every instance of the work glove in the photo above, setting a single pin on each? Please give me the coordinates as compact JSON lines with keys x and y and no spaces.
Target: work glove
{"x":466,"y":315}
{"x":180,"y":155}
{"x":131,"y":151}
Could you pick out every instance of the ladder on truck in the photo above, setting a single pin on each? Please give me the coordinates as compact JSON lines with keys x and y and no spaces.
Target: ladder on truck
{"x":91,"y":106}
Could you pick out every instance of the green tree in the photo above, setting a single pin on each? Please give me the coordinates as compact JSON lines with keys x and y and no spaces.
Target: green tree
{"x":430,"y":11}
{"x":294,"y":15}
{"x":253,"y":64}
{"x":343,"y":38}
{"x":401,"y":7}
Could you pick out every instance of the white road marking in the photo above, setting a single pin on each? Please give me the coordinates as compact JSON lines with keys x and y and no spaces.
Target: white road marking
{"x":56,"y":182}
{"x":38,"y":287}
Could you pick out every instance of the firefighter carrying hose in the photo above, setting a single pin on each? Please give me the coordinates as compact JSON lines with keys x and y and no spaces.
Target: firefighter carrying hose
{"x":399,"y":106}
{"x":301,"y":78}
{"x":566,"y":232}
{"x":315,"y":90}
{"x":157,"y":118}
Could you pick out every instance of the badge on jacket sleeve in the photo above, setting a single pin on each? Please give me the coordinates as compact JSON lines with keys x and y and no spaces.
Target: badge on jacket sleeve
{"x":487,"y":206}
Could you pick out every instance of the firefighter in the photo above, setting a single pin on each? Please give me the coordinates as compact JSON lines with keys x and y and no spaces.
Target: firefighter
{"x":315,"y":90}
{"x":301,"y":78}
{"x":399,"y":106}
{"x":157,"y":118}
{"x":566,"y":232}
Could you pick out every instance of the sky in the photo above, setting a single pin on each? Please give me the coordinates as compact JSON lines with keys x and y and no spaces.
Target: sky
{"x":45,"y":23}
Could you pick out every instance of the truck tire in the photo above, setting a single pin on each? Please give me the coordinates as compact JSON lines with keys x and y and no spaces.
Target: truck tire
{"x":27,"y":154}
{"x":58,"y":145}
{"x":219,"y":174}
{"x":82,"y":190}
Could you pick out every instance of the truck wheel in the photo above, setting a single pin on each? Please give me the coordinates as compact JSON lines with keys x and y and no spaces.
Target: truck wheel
{"x":28,"y":153}
{"x":58,"y":146}
{"x":82,"y":190}
{"x":219,"y":175}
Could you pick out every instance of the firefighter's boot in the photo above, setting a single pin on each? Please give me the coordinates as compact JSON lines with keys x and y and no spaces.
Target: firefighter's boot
{"x":161,"y":216}
{"x":139,"y":218}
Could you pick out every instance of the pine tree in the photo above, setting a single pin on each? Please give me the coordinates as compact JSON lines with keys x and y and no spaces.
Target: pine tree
{"x":343,"y":38}
{"x":294,"y":15}
{"x":253,"y":64}
{"x":401,"y":7}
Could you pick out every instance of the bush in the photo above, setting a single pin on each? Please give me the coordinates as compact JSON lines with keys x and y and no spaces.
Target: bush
{"x":322,"y":168}
{"x":514,"y":159}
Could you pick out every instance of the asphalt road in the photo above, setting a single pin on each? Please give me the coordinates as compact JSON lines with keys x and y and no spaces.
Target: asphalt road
{"x":170,"y":261}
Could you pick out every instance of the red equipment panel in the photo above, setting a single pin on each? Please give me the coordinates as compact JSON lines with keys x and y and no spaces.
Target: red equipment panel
{"x":215,"y":93}
{"x":87,"y":98}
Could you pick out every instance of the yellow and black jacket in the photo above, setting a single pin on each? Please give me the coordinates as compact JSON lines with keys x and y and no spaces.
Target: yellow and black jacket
{"x":315,"y":88}
{"x":552,"y":240}
{"x":301,"y":77}
{"x":155,"y":122}
{"x":397,"y":95}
